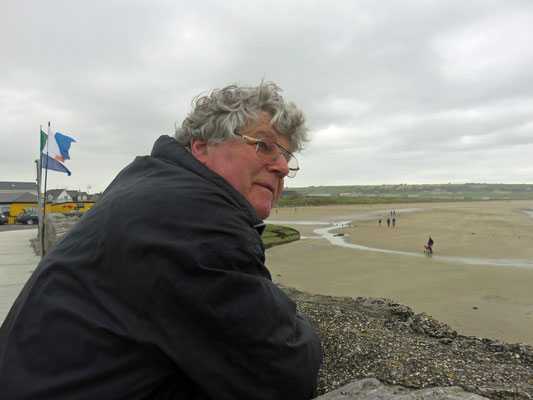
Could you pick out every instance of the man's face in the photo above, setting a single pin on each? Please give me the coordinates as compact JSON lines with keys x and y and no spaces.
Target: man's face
{"x":237,"y":162}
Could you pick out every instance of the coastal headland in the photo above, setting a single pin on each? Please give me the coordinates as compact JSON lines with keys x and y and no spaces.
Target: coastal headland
{"x":479,"y":280}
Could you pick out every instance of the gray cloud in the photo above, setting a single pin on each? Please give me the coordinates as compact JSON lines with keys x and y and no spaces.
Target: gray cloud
{"x":408,"y":91}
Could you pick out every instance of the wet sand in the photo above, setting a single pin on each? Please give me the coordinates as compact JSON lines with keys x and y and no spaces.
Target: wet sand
{"x":479,"y":281}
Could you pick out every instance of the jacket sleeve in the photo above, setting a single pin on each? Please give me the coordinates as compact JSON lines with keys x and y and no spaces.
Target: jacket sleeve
{"x":237,"y":335}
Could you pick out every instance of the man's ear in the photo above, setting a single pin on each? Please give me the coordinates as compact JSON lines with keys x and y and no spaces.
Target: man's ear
{"x":199,"y":150}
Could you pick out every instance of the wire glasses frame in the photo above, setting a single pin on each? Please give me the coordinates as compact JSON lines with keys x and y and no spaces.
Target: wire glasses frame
{"x":268,"y":151}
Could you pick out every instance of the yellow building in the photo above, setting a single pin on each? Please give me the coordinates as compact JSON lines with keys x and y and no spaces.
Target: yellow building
{"x":19,"y":197}
{"x":16,"y":197}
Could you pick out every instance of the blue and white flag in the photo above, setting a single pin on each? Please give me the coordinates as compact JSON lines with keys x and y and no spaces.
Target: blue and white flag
{"x":54,"y":148}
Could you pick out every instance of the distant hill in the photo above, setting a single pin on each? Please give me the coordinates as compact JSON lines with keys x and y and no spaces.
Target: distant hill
{"x":450,"y":191}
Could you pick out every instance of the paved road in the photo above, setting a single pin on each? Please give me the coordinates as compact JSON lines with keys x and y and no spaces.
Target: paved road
{"x":16,"y":227}
{"x":17,"y":262}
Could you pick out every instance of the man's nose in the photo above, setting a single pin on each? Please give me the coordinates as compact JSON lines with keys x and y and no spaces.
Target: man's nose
{"x":279,"y":166}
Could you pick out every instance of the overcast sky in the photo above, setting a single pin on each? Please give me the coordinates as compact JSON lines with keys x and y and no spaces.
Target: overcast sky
{"x":394,"y":91}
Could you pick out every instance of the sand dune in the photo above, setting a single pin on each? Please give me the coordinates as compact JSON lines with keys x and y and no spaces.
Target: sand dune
{"x":480,"y":280}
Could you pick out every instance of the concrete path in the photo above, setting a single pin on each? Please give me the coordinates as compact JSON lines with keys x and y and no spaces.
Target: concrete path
{"x":17,"y":262}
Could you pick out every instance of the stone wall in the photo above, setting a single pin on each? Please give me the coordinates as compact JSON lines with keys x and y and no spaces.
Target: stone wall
{"x":412,"y":355}
{"x":372,"y":389}
{"x":56,"y":226}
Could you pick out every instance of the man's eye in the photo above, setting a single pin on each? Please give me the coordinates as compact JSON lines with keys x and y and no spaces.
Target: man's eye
{"x":264,"y":146}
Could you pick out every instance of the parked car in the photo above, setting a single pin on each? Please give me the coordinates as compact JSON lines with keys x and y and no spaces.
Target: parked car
{"x":3,"y":219}
{"x":28,"y":218}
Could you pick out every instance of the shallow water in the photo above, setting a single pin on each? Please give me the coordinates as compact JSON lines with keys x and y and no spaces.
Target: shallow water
{"x":528,"y":212}
{"x":345,"y":220}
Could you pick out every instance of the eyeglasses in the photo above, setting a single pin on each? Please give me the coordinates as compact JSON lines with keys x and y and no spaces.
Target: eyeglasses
{"x":269,"y":151}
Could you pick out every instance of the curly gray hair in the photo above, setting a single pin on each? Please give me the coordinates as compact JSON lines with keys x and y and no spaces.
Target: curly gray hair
{"x":217,"y":115}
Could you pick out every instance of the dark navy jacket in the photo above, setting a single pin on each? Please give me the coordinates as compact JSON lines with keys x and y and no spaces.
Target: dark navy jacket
{"x":159,"y":292}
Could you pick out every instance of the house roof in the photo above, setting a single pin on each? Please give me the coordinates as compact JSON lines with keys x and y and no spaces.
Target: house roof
{"x":26,"y":192}
{"x":6,"y":187}
{"x":74,"y":194}
{"x":54,"y":193}
{"x":18,"y":197}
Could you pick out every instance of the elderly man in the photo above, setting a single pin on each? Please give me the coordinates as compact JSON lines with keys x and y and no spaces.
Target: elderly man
{"x":161,"y":291}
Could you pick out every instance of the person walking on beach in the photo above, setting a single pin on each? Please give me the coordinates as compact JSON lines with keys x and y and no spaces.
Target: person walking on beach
{"x":393,"y":222}
{"x":430,"y":245}
{"x":388,"y":222}
{"x":379,"y":222}
{"x":131,"y":305}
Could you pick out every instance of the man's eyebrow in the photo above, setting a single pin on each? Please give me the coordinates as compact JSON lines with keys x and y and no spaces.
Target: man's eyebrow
{"x":260,"y":132}
{"x":270,"y":135}
{"x":267,"y":134}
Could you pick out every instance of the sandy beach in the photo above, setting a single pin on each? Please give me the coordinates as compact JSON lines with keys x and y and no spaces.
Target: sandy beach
{"x":479,"y":280}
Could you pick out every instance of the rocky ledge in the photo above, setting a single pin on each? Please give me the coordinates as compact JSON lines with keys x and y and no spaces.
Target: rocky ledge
{"x":377,"y":338}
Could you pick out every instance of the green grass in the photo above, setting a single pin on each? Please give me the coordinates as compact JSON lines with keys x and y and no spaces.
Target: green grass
{"x":464,"y":191}
{"x":336,"y":200}
{"x":276,"y":234}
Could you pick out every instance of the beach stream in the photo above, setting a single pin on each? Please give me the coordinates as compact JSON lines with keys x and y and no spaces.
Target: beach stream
{"x":343,"y":221}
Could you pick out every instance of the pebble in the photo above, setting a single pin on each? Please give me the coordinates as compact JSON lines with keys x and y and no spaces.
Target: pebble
{"x":411,"y":350}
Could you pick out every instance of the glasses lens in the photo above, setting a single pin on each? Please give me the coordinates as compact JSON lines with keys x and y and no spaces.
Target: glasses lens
{"x":293,"y":166}
{"x":268,"y":151}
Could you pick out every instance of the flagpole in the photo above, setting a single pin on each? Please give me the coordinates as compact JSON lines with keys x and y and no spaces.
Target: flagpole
{"x":45,"y":182}
{"x":39,"y":162}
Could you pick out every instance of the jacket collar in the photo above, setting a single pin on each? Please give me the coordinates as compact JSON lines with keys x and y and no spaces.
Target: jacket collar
{"x":171,"y":150}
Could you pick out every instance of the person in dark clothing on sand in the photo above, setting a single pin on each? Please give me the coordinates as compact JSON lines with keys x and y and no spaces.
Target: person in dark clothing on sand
{"x":161,"y":289}
{"x":429,"y":246}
